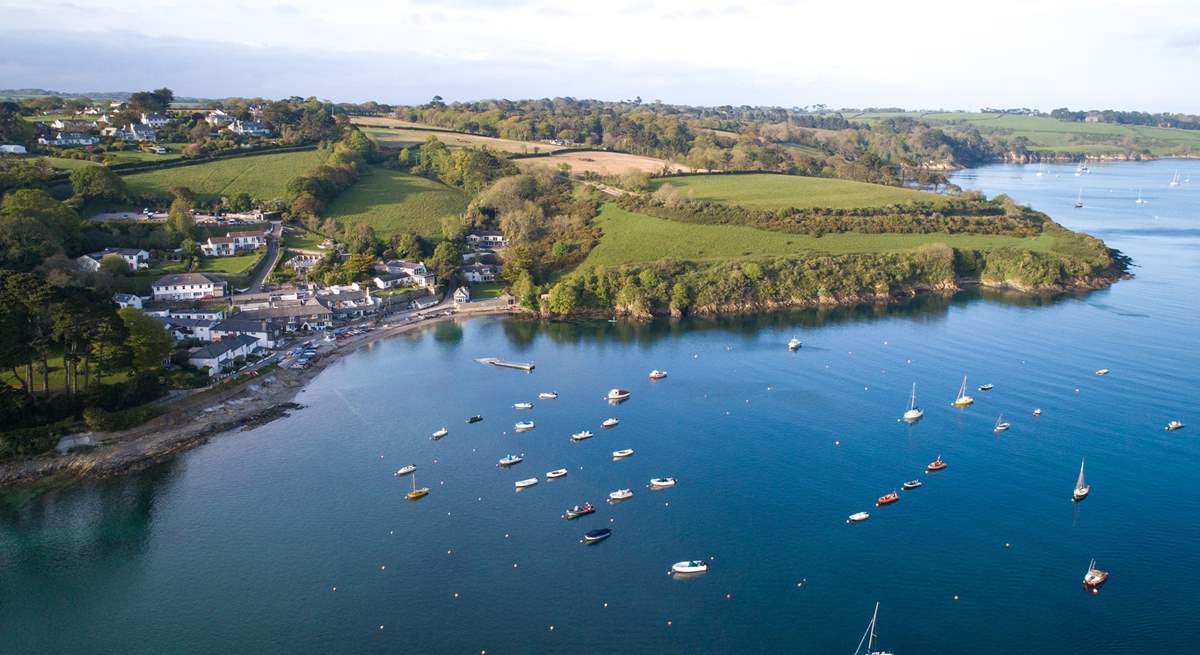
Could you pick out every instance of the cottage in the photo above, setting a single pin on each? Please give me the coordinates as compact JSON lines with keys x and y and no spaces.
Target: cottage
{"x":308,"y":315}
{"x":139,"y":132}
{"x":417,"y":271}
{"x":135,"y":258}
{"x":268,"y":333}
{"x":479,"y":273}
{"x":349,"y":301}
{"x":183,"y":329}
{"x":189,"y":286}
{"x":487,"y":239}
{"x":70,"y":140}
{"x":249,"y":128}
{"x":69,"y":125}
{"x":224,"y":353}
{"x":462,"y":295}
{"x":124,"y":300}
{"x":218,"y":118}
{"x":155,"y":120}
{"x":391,"y":280}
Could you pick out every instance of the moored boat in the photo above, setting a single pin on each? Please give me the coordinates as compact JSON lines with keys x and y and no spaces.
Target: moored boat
{"x":580,"y":436}
{"x":962,"y":399}
{"x":913,"y":413}
{"x":528,"y":482}
{"x":619,"y":495}
{"x":1103,"y":371}
{"x":626,"y":452}
{"x":936,"y":465}
{"x":596,"y":536}
{"x":522,"y":405}
{"x":405,"y":470}
{"x":440,"y":433}
{"x":609,"y":423}
{"x":416,"y":493}
{"x":548,"y":395}
{"x":475,"y":419}
{"x":690,"y":566}
{"x":794,"y":344}
{"x":857,"y":517}
{"x":510,"y":459}
{"x":578,"y":511}
{"x":911,"y":484}
{"x":657,"y":374}
{"x":1094,"y":578}
{"x":1037,"y":412}
{"x":555,"y":474}
{"x":662,"y":483}
{"x":1001,"y":425}
{"x":986,"y":387}
{"x":887,"y":499}
{"x":523,"y":426}
{"x":869,"y":636}
{"x":1174,"y":425}
{"x":618,"y":395}
{"x":1082,"y":488}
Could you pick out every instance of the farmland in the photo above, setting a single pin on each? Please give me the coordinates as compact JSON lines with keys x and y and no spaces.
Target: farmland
{"x":765,"y":191}
{"x":264,"y":177}
{"x":601,"y":163}
{"x":393,"y":202}
{"x":402,"y":137}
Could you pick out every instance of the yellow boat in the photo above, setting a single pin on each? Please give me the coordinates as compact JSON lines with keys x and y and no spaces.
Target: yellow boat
{"x":417,"y":493}
{"x":962,"y":399}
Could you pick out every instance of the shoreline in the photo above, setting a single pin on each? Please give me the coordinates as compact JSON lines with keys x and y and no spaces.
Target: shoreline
{"x":192,"y":421}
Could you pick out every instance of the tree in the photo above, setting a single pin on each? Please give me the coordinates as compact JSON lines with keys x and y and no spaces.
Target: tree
{"x":100,"y":182}
{"x":564,"y":296}
{"x":406,"y":245}
{"x":179,"y":218}
{"x":148,"y":341}
{"x":446,"y":258}
{"x":114,"y":264}
{"x":33,"y":227}
{"x":358,"y":267}
{"x":14,"y":128}
{"x":185,"y":194}
{"x":240,"y":202}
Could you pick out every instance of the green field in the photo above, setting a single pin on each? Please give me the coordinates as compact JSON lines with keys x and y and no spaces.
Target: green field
{"x":233,"y":265}
{"x":407,"y":136}
{"x":303,"y":241}
{"x":767,"y":191}
{"x":487,"y":290}
{"x":394,"y":202}
{"x":264,"y":177}
{"x":631,"y":238}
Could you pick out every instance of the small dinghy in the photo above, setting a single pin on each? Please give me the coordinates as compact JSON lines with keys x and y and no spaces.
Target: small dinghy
{"x":522,"y":405}
{"x":986,"y":387}
{"x":619,"y":495}
{"x":657,"y":374}
{"x":578,"y":511}
{"x":794,"y":344}
{"x":858,"y":517}
{"x":523,"y":426}
{"x":618,"y":454}
{"x":887,"y":499}
{"x":529,"y":482}
{"x":596,"y":536}
{"x":509,"y":460}
{"x":1174,"y":425}
{"x":690,"y":566}
{"x":1103,"y":371}
{"x":609,"y":423}
{"x":1094,"y":578}
{"x":911,"y":484}
{"x":405,"y":470}
{"x":555,"y":474}
{"x":475,"y":419}
{"x":617,"y":395}
{"x":662,"y":483}
{"x":439,"y":434}
{"x":1037,"y":412}
{"x":1001,"y":425}
{"x":580,"y":436}
{"x":548,"y":395}
{"x":936,"y":465}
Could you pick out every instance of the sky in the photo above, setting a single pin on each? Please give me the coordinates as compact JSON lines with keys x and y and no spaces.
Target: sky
{"x":918,"y":54}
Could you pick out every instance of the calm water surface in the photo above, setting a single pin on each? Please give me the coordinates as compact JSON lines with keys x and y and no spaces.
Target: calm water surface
{"x":238,"y":545}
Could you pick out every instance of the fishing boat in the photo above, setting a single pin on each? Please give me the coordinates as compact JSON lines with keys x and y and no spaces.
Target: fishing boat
{"x":1140,"y":200}
{"x":522,"y":405}
{"x":596,"y":536}
{"x":416,"y":493}
{"x":1001,"y":425}
{"x":869,"y":636}
{"x":1174,"y":180}
{"x":1079,"y":200}
{"x":794,"y":344}
{"x":857,"y":517}
{"x":529,"y":482}
{"x":523,"y":426}
{"x":936,"y":465}
{"x":1082,"y":488}
{"x":475,"y":419}
{"x":911,"y":484}
{"x":962,"y":399}
{"x":1037,"y":412}
{"x":618,"y":454}
{"x":914,"y":413}
{"x":510,"y":459}
{"x":1174,"y":425}
{"x":555,"y":474}
{"x":440,"y":433}
{"x":619,"y":495}
{"x":548,"y":395}
{"x":662,"y":483}
{"x":1103,"y":371}
{"x":986,"y":387}
{"x":580,"y":436}
{"x":609,"y":423}
{"x":405,"y":470}
{"x":690,"y":566}
{"x":887,"y":499}
{"x":1094,"y":578}
{"x":617,"y":395}
{"x":578,"y":511}
{"x":657,"y":374}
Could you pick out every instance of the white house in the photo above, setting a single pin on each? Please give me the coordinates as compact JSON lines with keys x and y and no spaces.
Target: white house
{"x":391,"y":280}
{"x":139,"y":132}
{"x":188,"y":328}
{"x":307,"y":315}
{"x":479,"y":273}
{"x":13,"y":149}
{"x":218,"y":118}
{"x":124,"y":300}
{"x":188,"y":286}
{"x":462,"y":295}
{"x":155,"y":120}
{"x":249,"y":128}
{"x":487,"y":239}
{"x":233,"y":243}
{"x":421,"y":277}
{"x":267,"y":333}
{"x":135,"y":258}
{"x":70,"y":125}
{"x":218,"y":354}
{"x":69,"y":140}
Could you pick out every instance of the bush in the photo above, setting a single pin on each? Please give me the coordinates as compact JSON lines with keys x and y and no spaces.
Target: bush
{"x":99,"y":420}
{"x":32,"y":441}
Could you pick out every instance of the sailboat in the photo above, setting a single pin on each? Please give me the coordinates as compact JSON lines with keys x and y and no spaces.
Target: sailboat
{"x":1000,"y":426}
{"x":1041,"y":171}
{"x":1081,"y":488}
{"x":417,"y":493}
{"x":962,"y":399}
{"x":1175,"y":180}
{"x":1140,"y":200}
{"x":1079,"y":200}
{"x":914,"y":413}
{"x":869,"y":637}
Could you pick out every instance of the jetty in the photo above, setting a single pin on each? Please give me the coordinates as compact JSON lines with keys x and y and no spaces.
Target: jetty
{"x":496,"y":361}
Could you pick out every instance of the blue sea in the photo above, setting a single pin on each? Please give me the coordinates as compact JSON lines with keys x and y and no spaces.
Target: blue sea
{"x":296,"y":538}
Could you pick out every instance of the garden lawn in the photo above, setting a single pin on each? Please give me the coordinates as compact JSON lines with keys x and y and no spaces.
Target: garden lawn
{"x":392,"y":202}
{"x":767,"y":191}
{"x":233,"y":265}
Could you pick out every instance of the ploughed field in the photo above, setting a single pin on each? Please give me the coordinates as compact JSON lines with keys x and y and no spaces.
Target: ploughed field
{"x":392,"y":202}
{"x":602,"y":163}
{"x":403,"y":137}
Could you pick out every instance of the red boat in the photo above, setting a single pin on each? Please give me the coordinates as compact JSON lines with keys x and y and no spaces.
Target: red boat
{"x":1094,"y":578}
{"x":936,"y":465}
{"x":887,"y":499}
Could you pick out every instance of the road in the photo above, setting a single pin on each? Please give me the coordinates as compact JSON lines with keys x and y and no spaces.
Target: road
{"x":271,"y":255}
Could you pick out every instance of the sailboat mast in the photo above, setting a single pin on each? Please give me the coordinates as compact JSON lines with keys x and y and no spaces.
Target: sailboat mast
{"x":1079,"y":483}
{"x":871,"y":639}
{"x":912,"y":401}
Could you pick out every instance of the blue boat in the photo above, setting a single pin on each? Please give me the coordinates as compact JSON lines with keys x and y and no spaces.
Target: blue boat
{"x":596,"y":536}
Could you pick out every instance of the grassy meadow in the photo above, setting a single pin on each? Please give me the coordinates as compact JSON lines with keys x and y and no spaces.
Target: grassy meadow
{"x":394,"y":202}
{"x":766,"y":191}
{"x":630,"y":238}
{"x":411,"y":136}
{"x":264,"y":177}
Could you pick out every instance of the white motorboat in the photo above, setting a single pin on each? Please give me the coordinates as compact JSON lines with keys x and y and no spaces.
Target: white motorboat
{"x":690,"y":566}
{"x":580,"y":436}
{"x":869,"y":636}
{"x":523,"y":426}
{"x":440,"y":433}
{"x":509,"y":460}
{"x":555,"y":474}
{"x":609,"y":423}
{"x":405,"y":470}
{"x":986,"y":387}
{"x":794,"y":344}
{"x":662,"y":483}
{"x":1082,"y":488}
{"x":619,"y":495}
{"x":618,"y":454}
{"x":858,"y":516}
{"x":617,"y":395}
{"x":914,"y":413}
{"x":1174,"y":425}
{"x":1103,"y":371}
{"x":657,"y":374}
{"x":1001,"y":425}
{"x":962,"y":399}
{"x":1037,"y":412}
{"x":522,"y":405}
{"x":521,"y":484}
{"x":548,"y":395}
